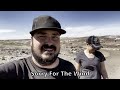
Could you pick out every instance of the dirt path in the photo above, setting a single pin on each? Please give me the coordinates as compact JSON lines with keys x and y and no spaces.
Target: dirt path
{"x":113,"y":65}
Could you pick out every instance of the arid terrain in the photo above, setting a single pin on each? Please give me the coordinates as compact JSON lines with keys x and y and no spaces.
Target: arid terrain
{"x":15,"y":49}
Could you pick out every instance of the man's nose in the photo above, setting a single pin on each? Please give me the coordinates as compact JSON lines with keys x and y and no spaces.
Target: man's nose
{"x":49,"y":41}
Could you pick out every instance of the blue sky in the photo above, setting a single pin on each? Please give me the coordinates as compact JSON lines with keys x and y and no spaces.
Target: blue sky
{"x":17,"y":24}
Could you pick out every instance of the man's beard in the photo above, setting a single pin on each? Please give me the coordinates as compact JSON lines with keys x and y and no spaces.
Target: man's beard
{"x":42,"y":61}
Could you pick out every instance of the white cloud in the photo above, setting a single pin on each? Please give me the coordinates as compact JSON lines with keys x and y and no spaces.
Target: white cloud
{"x":80,"y":31}
{"x":14,"y":36}
{"x":111,"y":29}
{"x":21,"y":36}
{"x":6,"y":34}
{"x":7,"y":30}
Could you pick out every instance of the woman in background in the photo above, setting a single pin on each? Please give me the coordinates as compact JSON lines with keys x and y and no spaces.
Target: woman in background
{"x":90,"y":62}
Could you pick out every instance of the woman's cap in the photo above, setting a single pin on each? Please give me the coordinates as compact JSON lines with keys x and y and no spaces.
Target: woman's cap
{"x":94,"y":41}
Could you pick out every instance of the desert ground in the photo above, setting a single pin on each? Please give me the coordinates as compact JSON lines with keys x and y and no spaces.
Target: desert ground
{"x":15,"y":49}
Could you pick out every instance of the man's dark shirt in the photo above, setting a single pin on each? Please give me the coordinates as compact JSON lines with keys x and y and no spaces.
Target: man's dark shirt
{"x":26,"y":69}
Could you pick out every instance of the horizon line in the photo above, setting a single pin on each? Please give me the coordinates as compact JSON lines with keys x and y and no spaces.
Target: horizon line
{"x":63,"y":37}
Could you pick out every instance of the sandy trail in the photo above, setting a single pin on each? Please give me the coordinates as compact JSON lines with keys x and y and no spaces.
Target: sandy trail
{"x":113,"y":65}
